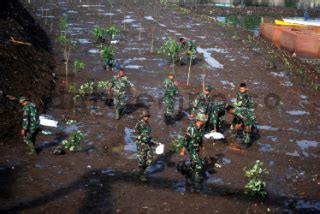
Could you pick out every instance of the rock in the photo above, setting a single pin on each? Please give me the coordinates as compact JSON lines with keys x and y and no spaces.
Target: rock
{"x":58,"y":151}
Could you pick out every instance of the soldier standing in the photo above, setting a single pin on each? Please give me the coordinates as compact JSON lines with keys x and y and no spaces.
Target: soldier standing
{"x":143,"y":141}
{"x":30,"y":123}
{"x":246,"y":122}
{"x":244,"y":100}
{"x":194,"y":141}
{"x":201,"y":103}
{"x":119,"y":86}
{"x":170,"y":92}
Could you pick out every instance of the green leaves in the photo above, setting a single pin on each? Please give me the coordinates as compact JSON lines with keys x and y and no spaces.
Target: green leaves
{"x":112,"y":31}
{"x":63,"y":23}
{"x":108,"y":55}
{"x":178,"y":143}
{"x":89,"y":87}
{"x":170,"y":48}
{"x":256,"y":186}
{"x":73,"y":142}
{"x":86,"y":89}
{"x":78,"y":65}
{"x":100,"y":32}
{"x":63,"y":40}
{"x":103,"y":84}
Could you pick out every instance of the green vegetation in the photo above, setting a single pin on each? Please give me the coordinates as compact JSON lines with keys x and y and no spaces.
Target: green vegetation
{"x":73,"y":142}
{"x":78,"y":65}
{"x":256,"y":186}
{"x":178,"y":143}
{"x":100,"y":33}
{"x":65,"y":42}
{"x":171,"y":49}
{"x":89,"y":87}
{"x":71,"y":122}
{"x":112,"y":31}
{"x":108,"y":55}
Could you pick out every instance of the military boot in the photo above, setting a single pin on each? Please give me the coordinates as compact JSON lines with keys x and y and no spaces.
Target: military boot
{"x":142,"y":177}
{"x":32,"y":150}
{"x":197,"y":177}
{"x":117,"y":114}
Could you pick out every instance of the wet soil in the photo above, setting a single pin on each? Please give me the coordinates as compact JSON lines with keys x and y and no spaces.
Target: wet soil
{"x":103,"y":177}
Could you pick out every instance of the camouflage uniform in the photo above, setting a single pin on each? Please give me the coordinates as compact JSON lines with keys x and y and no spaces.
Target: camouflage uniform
{"x":189,"y":48}
{"x":201,"y":104}
{"x":119,"y":86}
{"x":215,"y":113}
{"x":194,"y":142}
{"x":244,"y":100}
{"x":246,"y":116}
{"x":30,"y":124}
{"x":170,"y":92}
{"x":143,"y":141}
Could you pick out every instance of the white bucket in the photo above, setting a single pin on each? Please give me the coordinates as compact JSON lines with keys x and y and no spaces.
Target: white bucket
{"x":160,"y":149}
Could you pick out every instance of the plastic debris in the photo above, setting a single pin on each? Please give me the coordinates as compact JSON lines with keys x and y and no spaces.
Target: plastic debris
{"x":45,"y":132}
{"x":214,"y":135}
{"x":47,"y":122}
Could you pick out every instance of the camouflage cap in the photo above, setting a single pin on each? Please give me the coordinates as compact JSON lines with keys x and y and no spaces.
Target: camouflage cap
{"x":201,"y":117}
{"x":145,"y":113}
{"x":171,"y":72}
{"x":22,"y":99}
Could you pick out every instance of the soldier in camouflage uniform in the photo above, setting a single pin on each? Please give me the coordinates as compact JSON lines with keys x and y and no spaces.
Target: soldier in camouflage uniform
{"x":244,"y":100}
{"x":30,"y":123}
{"x":143,"y":141}
{"x":246,"y":122}
{"x":201,"y":103}
{"x":194,"y":141}
{"x":119,"y":85}
{"x":188,"y":49}
{"x":215,"y":113}
{"x":170,"y":92}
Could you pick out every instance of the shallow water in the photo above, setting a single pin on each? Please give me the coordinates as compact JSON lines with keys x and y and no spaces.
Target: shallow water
{"x":130,"y":145}
{"x":266,"y":127}
{"x":297,"y":112}
{"x":264,"y":147}
{"x":212,"y":62}
{"x":306,"y":144}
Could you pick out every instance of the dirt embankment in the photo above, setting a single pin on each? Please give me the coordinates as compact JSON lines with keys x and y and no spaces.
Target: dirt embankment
{"x":24,"y":69}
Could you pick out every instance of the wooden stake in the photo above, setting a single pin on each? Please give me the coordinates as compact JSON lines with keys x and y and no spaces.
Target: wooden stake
{"x":124,"y":22}
{"x":189,"y":70}
{"x":152,"y":40}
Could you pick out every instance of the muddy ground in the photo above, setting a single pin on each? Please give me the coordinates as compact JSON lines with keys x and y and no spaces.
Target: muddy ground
{"x":103,"y":177}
